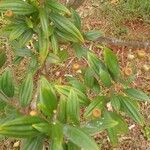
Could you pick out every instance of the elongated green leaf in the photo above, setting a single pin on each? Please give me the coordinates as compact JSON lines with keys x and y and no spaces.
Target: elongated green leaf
{"x":99,"y":68}
{"x":43,"y":47}
{"x":80,"y":138}
{"x":93,"y":35}
{"x":26,"y":91}
{"x":64,"y":90}
{"x":35,"y":143}
{"x":63,"y":24}
{"x":89,"y":77}
{"x":44,"y":21}
{"x":112,"y":134}
{"x":66,"y":37}
{"x":17,"y":6}
{"x":121,"y":127}
{"x":130,"y":107}
{"x":76,"y":19}
{"x":2,"y":104}
{"x":98,"y":102}
{"x":20,"y":127}
{"x":79,"y":50}
{"x":77,"y":84}
{"x":12,"y":111}
{"x":71,"y":146}
{"x":96,"y":87}
{"x":115,"y":102}
{"x":17,"y":31}
{"x":57,"y":136}
{"x":98,"y":125}
{"x":25,"y":37}
{"x":111,"y":62}
{"x":105,"y":77}
{"x":33,"y":65}
{"x":138,"y":94}
{"x":57,"y":7}
{"x":22,"y":52}
{"x":43,"y":128}
{"x":62,"y":110}
{"x":54,"y":44}
{"x":6,"y":82}
{"x":3,"y":57}
{"x":53,"y":59}
{"x":63,"y":55}
{"x":73,"y":108}
{"x":48,"y":99}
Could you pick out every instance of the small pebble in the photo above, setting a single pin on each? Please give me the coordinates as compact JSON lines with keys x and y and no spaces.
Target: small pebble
{"x":16,"y":144}
{"x":146,"y":68}
{"x":141,"y":54}
{"x":131,"y":57}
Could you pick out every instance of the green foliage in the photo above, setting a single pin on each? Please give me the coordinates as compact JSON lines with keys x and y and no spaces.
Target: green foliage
{"x":60,"y":109}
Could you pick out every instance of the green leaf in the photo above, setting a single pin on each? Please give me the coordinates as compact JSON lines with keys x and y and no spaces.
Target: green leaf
{"x":112,"y":134}
{"x":33,"y":65}
{"x":65,"y":90}
{"x":2,"y":104}
{"x":17,"y":31}
{"x":54,"y":44}
{"x":11,"y":112}
{"x":20,"y":127}
{"x":79,"y":50}
{"x":35,"y":143}
{"x":138,"y":94}
{"x":98,"y":125}
{"x":43,"y":47}
{"x":3,"y":57}
{"x":93,"y":35}
{"x":131,"y":108}
{"x":57,"y":136}
{"x":89,"y":77}
{"x":98,"y":102}
{"x":48,"y":99}
{"x":105,"y":77}
{"x":96,"y":87}
{"x":43,"y":15}
{"x":76,"y":19}
{"x":71,"y":146}
{"x":17,"y":6}
{"x":77,"y":84}
{"x":111,"y":62}
{"x":63,"y":55}
{"x":26,"y":90}
{"x":80,"y":138}
{"x":57,"y":7}
{"x":63,"y":24}
{"x":65,"y":37}
{"x":99,"y":68}
{"x":115,"y":102}
{"x":22,"y":52}
{"x":73,"y":108}
{"x":6,"y":82}
{"x":62,"y":110}
{"x":121,"y":127}
{"x":25,"y":37}
{"x":43,"y":128}
{"x":53,"y":59}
